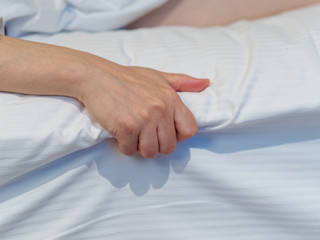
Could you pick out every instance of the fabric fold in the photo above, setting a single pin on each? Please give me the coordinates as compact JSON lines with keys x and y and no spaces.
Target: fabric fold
{"x":52,"y":16}
{"x":264,"y":75}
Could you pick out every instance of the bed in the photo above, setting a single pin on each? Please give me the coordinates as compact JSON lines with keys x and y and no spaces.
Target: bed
{"x":251,"y":172}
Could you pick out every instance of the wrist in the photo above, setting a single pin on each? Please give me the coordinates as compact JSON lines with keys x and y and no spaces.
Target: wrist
{"x":90,"y":75}
{"x":74,"y":78}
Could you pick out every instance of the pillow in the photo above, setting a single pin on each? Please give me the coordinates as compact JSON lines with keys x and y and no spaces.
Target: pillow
{"x":262,"y":72}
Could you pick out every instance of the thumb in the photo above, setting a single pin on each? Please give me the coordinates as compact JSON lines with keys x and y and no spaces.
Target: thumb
{"x":185,"y":83}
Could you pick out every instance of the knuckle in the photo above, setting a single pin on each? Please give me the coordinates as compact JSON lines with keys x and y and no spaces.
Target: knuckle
{"x":128,"y":126}
{"x":193,"y":129}
{"x":146,"y":117}
{"x":155,"y":108}
{"x":159,"y":106}
{"x":190,"y":131}
{"x":125,"y":148}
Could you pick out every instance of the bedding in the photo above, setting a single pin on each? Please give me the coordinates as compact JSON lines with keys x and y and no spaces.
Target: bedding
{"x":252,"y":171}
{"x":52,"y":16}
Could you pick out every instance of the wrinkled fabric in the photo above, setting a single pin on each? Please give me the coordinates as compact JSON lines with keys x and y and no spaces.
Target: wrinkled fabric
{"x":252,"y":171}
{"x":52,"y":16}
{"x":248,"y":86}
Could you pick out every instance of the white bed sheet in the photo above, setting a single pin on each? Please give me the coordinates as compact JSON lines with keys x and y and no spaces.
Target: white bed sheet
{"x":52,"y":16}
{"x":252,"y":172}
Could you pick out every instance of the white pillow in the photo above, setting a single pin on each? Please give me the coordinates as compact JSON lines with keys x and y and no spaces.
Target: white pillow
{"x":262,"y":72}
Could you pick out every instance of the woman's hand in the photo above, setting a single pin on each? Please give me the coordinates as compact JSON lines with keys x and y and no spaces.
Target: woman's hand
{"x":138,"y":106}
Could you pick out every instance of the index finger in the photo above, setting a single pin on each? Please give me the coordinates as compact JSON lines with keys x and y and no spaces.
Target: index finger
{"x":185,"y":122}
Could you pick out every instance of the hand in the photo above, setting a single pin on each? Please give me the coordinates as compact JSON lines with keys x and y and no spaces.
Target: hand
{"x":140,"y":107}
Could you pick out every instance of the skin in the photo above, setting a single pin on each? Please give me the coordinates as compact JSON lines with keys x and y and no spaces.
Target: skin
{"x":138,"y":106}
{"x":206,"y":13}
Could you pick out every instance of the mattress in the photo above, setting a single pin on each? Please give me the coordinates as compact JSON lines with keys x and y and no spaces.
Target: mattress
{"x":251,"y":172}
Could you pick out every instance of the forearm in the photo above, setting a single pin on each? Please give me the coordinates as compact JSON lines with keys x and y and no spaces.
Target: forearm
{"x":215,"y":12}
{"x":40,"y":69}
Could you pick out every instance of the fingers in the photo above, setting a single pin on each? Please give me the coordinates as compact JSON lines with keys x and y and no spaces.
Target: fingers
{"x":185,"y":123}
{"x":128,"y":145}
{"x":135,"y":135}
{"x":167,"y":137}
{"x":148,"y":145}
{"x":159,"y":135}
{"x":185,"y":83}
{"x":148,"y":140}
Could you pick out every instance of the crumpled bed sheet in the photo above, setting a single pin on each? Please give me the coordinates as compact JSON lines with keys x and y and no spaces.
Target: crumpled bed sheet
{"x":252,"y":171}
{"x":52,"y":16}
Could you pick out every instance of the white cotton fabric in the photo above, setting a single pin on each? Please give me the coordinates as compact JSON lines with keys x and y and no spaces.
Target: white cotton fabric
{"x":52,"y":16}
{"x":252,"y":171}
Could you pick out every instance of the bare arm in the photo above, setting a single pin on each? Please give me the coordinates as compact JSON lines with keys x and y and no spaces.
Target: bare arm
{"x":215,"y":12}
{"x":138,"y":106}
